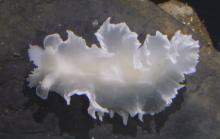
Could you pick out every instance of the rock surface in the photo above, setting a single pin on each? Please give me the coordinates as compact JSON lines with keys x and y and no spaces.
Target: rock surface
{"x":187,"y":16}
{"x":195,"y":112}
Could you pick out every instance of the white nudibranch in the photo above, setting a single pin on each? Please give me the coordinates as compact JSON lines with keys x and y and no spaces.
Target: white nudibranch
{"x":122,"y":76}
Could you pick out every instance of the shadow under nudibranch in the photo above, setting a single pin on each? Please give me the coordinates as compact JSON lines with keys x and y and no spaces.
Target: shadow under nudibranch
{"x":74,"y":119}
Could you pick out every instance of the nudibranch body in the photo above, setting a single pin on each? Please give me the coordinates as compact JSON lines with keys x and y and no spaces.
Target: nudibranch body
{"x":122,"y":76}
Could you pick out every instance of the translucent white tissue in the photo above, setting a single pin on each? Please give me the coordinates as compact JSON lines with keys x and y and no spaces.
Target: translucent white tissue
{"x":122,"y":76}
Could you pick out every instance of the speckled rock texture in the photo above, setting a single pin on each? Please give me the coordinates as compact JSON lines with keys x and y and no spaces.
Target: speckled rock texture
{"x":195,"y":113}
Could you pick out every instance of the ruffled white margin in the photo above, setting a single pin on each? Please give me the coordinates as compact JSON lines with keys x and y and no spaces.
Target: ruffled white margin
{"x":122,"y":76}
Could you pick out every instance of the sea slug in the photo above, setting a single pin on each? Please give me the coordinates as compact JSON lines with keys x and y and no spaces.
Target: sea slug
{"x":123,"y":76}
